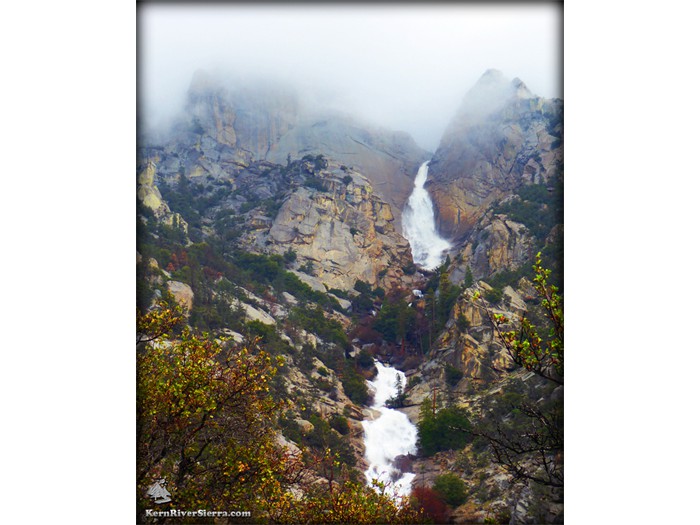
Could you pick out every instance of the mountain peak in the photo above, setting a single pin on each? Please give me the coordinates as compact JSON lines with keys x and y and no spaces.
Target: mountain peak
{"x":203,"y":81}
{"x":521,"y":90}
{"x":491,"y":92}
{"x":492,"y":74}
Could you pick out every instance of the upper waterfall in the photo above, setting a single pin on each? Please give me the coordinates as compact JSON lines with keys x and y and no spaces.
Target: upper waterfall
{"x":429,"y":249}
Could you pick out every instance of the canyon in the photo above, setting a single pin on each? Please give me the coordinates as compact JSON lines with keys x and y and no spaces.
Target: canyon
{"x":354,"y":254}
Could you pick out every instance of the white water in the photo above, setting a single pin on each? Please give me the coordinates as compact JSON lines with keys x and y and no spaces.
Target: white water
{"x":429,"y":249}
{"x":389,"y":435}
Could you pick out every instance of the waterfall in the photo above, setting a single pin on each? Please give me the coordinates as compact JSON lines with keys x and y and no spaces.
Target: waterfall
{"x":389,"y":435}
{"x":429,"y":249}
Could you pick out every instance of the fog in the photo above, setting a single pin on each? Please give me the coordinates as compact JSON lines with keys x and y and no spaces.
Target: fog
{"x":405,"y":67}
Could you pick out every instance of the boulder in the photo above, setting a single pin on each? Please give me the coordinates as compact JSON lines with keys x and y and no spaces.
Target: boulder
{"x":344,"y":303}
{"x":183,"y":293}
{"x":237,"y":338}
{"x":304,"y":425}
{"x":289,"y":298}
{"x":254,"y":314}
{"x":311,"y":281}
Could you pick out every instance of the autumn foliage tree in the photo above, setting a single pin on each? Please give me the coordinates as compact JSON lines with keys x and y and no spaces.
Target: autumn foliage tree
{"x":204,"y":416}
{"x":206,"y":424}
{"x":164,"y":318}
{"x":342,"y":500}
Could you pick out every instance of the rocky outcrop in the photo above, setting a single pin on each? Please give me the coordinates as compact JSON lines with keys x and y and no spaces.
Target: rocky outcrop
{"x":469,"y":343}
{"x":147,"y":191}
{"x":149,"y":197}
{"x":500,"y":245}
{"x":489,"y":375}
{"x":502,"y":138}
{"x":495,"y":244}
{"x":326,"y":213}
{"x":345,"y":233}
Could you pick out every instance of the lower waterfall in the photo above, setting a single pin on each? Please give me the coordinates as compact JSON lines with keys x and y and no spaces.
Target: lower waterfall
{"x":389,"y":435}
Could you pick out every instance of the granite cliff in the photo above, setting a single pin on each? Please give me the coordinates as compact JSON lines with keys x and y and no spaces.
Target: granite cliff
{"x":345,"y":231}
{"x":502,"y":138}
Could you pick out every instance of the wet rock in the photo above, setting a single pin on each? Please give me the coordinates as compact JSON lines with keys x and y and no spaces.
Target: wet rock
{"x":404,"y":463}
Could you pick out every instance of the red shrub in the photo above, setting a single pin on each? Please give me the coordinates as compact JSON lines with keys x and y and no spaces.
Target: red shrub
{"x":366,"y":335}
{"x":431,"y":503}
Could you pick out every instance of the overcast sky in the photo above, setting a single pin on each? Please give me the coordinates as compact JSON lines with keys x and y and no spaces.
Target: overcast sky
{"x":402,"y":66}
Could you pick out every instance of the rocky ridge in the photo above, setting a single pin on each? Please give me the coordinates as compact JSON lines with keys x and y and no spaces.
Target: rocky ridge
{"x":326,"y":213}
{"x":235,"y":125}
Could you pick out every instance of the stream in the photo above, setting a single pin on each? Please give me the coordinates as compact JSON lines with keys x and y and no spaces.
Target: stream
{"x":391,"y":434}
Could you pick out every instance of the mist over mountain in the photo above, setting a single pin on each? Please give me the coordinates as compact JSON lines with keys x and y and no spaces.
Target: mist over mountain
{"x":404,"y":67}
{"x":245,"y":121}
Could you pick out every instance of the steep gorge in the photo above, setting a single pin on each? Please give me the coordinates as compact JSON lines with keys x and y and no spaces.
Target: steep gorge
{"x":318,"y":202}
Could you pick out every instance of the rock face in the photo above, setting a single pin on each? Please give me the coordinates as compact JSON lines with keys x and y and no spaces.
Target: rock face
{"x":505,"y":245}
{"x":326,"y":213}
{"x":502,"y":138}
{"x":346,"y":233}
{"x":469,"y":342}
{"x":497,"y":244}
{"x":148,"y":193}
{"x":244,"y":122}
{"x":235,"y":124}
{"x":476,"y":351}
{"x":149,"y":196}
{"x":388,"y":159}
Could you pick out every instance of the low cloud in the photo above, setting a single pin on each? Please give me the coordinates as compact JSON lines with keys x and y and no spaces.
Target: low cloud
{"x":399,"y":66}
